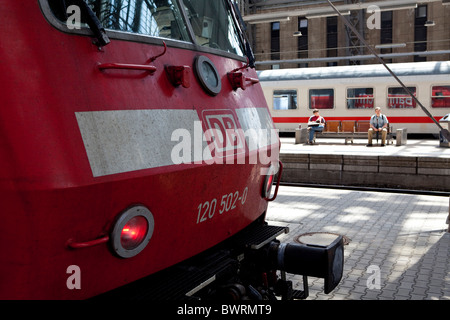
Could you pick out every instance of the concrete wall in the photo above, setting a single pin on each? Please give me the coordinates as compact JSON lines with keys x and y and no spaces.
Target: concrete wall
{"x":416,"y":173}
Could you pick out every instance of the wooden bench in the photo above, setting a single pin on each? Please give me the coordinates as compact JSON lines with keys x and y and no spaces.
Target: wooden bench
{"x":332,"y":129}
{"x":339,"y":129}
{"x":361,"y":130}
{"x":332,"y":126}
{"x":349,"y":130}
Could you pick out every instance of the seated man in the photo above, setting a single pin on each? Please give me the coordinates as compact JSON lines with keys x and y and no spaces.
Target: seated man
{"x":378,"y":123}
{"x":315,"y":123}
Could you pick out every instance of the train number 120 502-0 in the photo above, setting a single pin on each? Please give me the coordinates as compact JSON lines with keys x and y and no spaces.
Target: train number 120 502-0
{"x":228,"y":202}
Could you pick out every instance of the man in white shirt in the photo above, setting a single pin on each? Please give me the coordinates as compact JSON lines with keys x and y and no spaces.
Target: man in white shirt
{"x":378,"y":123}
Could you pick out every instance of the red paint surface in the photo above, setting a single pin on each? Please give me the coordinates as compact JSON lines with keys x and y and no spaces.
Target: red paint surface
{"x":47,"y":192}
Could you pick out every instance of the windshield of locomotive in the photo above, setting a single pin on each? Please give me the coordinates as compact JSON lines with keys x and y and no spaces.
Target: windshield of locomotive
{"x":157,"y":18}
{"x":212,"y":21}
{"x":213,"y":25}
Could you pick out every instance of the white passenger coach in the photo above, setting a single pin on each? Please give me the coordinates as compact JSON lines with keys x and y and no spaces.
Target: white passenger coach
{"x":352,"y":93}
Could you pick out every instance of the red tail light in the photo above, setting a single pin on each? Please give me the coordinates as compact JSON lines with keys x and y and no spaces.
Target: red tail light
{"x":268,"y":181}
{"x":132,"y":231}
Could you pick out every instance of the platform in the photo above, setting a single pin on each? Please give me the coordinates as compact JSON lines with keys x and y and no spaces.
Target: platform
{"x":418,"y":165}
{"x":397,"y":244}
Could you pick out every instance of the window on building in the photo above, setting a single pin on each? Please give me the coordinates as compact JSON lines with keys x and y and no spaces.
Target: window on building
{"x":321,"y":99}
{"x":386,"y":35}
{"x":440,"y":97}
{"x":420,"y":32}
{"x":303,"y":41}
{"x":386,"y":27}
{"x":284,"y":99}
{"x":332,"y":38}
{"x":360,"y":98}
{"x":275,"y":41}
{"x":398,"y":98}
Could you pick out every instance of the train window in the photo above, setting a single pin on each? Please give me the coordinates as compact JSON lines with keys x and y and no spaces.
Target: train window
{"x":398,"y":98}
{"x":158,"y":18}
{"x":360,"y":98}
{"x":321,"y":99}
{"x":440,"y":97}
{"x":213,"y":25}
{"x":285,"y":99}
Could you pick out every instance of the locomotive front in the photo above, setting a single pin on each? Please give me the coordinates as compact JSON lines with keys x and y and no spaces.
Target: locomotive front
{"x":137,"y":137}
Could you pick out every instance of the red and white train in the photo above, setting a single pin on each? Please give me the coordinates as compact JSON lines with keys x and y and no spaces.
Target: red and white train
{"x":352,"y":93}
{"x":133,"y":135}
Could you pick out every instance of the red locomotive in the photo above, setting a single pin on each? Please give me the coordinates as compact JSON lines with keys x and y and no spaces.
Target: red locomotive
{"x":135,"y":136}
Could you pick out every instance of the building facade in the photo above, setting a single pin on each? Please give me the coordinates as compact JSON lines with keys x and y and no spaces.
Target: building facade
{"x":305,"y":33}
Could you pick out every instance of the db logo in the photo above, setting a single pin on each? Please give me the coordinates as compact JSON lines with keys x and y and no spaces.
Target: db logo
{"x":222,"y":133}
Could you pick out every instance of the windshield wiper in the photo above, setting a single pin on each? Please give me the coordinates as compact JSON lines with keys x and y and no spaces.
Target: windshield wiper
{"x":94,"y":23}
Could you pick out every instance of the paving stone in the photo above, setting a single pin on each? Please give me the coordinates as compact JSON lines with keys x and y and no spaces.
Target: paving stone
{"x":402,"y":234}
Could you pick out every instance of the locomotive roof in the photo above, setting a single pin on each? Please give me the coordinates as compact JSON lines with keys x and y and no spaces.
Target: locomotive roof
{"x":364,"y":71}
